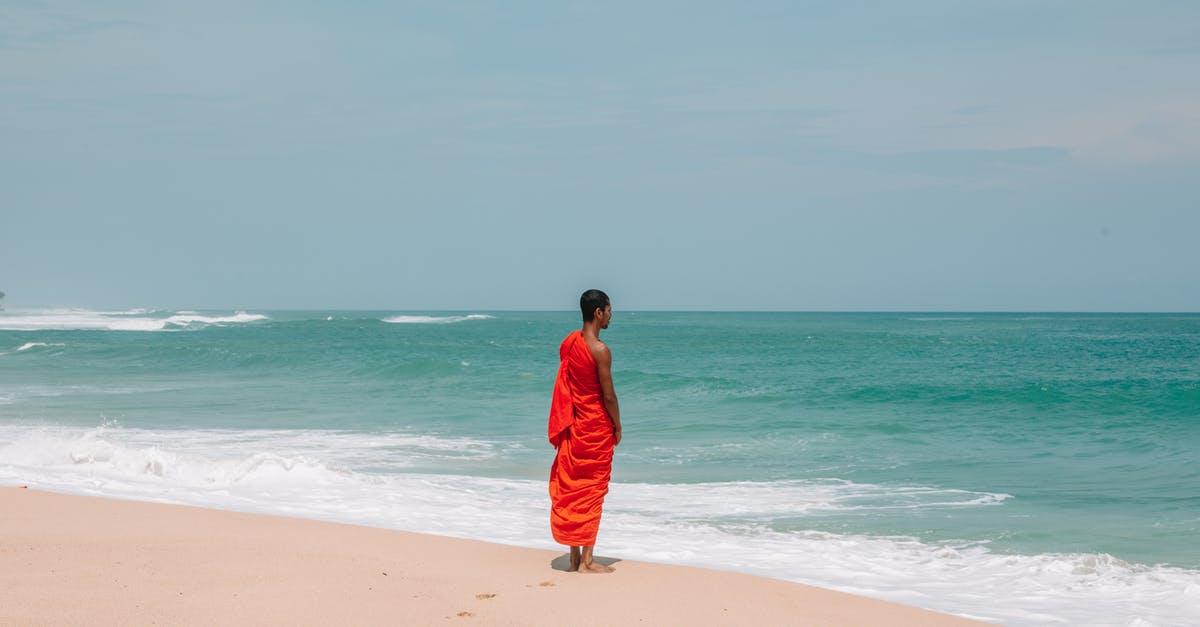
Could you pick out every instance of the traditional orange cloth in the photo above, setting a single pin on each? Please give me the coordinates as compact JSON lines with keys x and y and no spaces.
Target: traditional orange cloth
{"x":582,"y":431}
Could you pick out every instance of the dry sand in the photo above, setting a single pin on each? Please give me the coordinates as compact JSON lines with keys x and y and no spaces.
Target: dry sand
{"x":73,"y":560}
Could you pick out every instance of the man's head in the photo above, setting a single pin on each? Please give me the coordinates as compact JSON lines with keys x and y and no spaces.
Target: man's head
{"x":593,"y":302}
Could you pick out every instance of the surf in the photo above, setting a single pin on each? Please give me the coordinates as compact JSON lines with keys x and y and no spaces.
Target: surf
{"x":129,"y":320}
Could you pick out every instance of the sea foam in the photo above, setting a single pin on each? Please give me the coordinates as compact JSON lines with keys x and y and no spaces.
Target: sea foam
{"x":32,"y":345}
{"x":435,"y":319}
{"x":28,"y":345}
{"x":131,"y":320}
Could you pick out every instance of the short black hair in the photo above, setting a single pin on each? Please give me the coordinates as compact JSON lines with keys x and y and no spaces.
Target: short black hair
{"x":590,"y":301}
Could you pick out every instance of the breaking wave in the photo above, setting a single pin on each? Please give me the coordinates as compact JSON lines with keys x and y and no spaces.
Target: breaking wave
{"x":435,"y":319}
{"x":131,"y":320}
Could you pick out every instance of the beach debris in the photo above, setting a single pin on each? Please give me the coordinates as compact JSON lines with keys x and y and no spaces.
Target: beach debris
{"x":485,"y":595}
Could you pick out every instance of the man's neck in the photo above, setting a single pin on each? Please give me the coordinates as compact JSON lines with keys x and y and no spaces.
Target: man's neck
{"x":591,"y":330}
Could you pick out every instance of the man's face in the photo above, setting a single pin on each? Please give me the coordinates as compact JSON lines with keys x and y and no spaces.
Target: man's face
{"x":604,"y":316}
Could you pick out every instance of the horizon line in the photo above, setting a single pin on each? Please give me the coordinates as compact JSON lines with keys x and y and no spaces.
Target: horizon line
{"x":117,"y":310}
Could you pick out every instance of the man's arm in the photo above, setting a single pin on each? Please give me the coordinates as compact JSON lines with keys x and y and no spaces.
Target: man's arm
{"x":604,"y":368}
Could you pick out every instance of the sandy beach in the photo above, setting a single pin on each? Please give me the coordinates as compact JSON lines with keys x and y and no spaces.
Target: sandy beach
{"x":68,"y":559}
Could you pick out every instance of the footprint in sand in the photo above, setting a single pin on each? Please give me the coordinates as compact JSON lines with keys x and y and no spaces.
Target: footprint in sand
{"x":465,"y":613}
{"x":547,"y":584}
{"x":485,"y":595}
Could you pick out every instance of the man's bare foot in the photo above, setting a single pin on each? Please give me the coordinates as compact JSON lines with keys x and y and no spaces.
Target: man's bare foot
{"x":575,"y":559}
{"x":595,"y":568}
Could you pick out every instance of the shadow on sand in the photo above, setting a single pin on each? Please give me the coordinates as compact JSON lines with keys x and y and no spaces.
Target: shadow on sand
{"x":563,"y":562}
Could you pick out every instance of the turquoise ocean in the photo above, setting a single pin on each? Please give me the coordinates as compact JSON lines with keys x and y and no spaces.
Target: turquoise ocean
{"x":1027,"y":469}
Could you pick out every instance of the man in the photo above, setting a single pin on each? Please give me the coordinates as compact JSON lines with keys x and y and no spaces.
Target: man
{"x":585,"y":426}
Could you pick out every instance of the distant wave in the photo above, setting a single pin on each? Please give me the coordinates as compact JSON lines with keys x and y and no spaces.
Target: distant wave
{"x":435,"y":319}
{"x":28,"y":345}
{"x":183,"y":319}
{"x":131,"y":320}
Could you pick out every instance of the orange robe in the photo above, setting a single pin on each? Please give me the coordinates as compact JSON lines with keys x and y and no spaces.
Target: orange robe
{"x":582,"y":431}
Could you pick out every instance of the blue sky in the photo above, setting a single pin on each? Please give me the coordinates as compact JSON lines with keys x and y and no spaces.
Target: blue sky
{"x":437,"y":155}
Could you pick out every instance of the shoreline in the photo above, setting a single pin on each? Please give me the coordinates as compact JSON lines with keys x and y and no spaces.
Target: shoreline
{"x":75,"y":559}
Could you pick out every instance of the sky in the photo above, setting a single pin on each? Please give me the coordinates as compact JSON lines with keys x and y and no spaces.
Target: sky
{"x":814,"y":156}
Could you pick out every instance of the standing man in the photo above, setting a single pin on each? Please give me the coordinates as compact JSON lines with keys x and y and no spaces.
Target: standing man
{"x":585,"y":426}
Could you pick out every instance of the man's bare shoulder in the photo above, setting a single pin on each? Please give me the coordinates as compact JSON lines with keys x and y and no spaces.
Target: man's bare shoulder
{"x":598,"y":349}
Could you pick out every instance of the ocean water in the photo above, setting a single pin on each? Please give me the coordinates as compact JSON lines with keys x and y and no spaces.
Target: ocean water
{"x":1027,"y":469}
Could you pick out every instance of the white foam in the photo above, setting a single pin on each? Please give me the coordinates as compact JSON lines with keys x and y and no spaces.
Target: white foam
{"x":240,"y":317}
{"x":383,"y":479}
{"x":190,"y":457}
{"x":764,"y":501}
{"x":31,"y":345}
{"x":131,"y":320}
{"x":435,"y":319}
